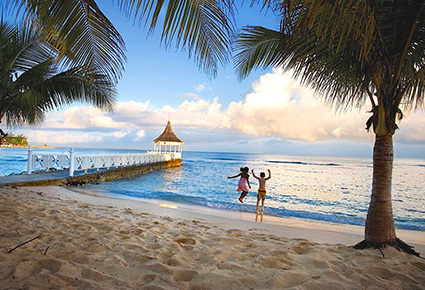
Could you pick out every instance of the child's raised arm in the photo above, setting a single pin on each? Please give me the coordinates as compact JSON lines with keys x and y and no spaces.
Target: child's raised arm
{"x":253,"y":174}
{"x":270,"y":174}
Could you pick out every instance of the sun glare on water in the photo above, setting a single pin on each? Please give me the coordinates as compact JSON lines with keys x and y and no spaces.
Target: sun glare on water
{"x":168,"y":205}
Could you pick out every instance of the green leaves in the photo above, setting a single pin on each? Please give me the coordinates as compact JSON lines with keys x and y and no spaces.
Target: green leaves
{"x":32,"y":83}
{"x":79,"y":31}
{"x":203,"y":27}
{"x":257,"y":47}
{"x":345,"y":49}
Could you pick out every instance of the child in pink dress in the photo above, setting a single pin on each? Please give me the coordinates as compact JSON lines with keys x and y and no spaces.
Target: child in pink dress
{"x":243,"y":181}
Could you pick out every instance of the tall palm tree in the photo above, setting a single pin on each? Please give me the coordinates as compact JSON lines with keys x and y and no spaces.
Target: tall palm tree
{"x":352,"y":52}
{"x":32,"y":83}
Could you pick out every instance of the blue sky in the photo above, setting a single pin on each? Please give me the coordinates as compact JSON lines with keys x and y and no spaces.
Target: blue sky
{"x":268,"y":112}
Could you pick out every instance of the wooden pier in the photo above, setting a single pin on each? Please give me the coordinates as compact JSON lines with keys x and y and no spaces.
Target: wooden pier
{"x":74,"y":169}
{"x":93,"y":176}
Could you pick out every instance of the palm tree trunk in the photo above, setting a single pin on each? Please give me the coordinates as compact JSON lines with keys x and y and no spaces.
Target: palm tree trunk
{"x":379,"y":230}
{"x":379,"y":220}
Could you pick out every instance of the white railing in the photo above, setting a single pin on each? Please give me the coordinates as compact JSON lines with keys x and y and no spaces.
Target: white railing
{"x":84,"y":163}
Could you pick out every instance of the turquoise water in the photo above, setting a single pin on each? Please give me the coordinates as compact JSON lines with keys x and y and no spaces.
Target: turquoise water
{"x":330,"y":189}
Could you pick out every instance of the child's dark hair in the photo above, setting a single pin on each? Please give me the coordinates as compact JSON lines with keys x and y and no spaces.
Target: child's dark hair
{"x":244,"y":169}
{"x":262,"y":175}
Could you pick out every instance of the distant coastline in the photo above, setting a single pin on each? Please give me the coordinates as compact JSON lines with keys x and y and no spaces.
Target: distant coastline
{"x":45,"y":146}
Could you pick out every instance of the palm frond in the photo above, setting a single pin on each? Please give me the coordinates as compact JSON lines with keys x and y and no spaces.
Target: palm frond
{"x":345,"y":49}
{"x":61,"y":89}
{"x":81,"y":32}
{"x":32,"y":84}
{"x":257,"y":47}
{"x":204,"y":28}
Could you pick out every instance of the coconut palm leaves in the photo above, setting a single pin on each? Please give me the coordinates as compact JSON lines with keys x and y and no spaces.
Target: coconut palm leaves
{"x":79,"y":31}
{"x":257,"y":47}
{"x":204,"y":28}
{"x":32,"y":83}
{"x":349,"y":49}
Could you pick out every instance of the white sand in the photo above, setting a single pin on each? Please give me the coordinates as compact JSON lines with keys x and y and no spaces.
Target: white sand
{"x":98,"y":242}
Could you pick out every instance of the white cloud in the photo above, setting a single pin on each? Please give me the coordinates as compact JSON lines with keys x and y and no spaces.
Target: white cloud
{"x":277,"y":106}
{"x":412,"y":128}
{"x":338,"y":132}
{"x":43,"y":137}
{"x":190,"y":96}
{"x":131,"y":107}
{"x":280,"y":106}
{"x":141,"y":133}
{"x":201,"y":87}
{"x":82,"y":117}
{"x":119,"y":134}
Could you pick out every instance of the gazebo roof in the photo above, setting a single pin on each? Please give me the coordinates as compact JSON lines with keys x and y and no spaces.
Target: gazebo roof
{"x":168,"y":135}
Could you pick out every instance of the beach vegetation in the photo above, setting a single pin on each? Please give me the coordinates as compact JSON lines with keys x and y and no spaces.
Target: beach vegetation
{"x":60,"y":52}
{"x":19,"y":140}
{"x":33,"y":81}
{"x":78,"y":30}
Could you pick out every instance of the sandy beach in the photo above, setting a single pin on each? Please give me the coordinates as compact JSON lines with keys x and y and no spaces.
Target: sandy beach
{"x":87,"y":241}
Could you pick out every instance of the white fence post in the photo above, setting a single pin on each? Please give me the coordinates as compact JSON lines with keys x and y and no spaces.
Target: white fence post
{"x":71,"y":162}
{"x":29,"y":167}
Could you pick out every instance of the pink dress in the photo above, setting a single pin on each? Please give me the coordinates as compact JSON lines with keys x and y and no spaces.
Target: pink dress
{"x":242,"y":184}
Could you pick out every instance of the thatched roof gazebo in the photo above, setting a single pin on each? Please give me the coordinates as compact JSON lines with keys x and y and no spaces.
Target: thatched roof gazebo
{"x":168,"y":143}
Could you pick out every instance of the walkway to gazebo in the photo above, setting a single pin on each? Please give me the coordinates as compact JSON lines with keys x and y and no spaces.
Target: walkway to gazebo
{"x":63,"y":169}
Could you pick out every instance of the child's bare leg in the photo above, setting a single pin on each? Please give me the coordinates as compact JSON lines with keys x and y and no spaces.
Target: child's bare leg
{"x":258,"y":202}
{"x":262,"y":205}
{"x":243,"y":194}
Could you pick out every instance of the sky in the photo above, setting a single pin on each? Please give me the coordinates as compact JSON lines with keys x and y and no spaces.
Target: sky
{"x":268,"y":112}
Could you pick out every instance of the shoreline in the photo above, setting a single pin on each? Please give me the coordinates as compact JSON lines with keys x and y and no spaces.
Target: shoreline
{"x":292,"y":227}
{"x":26,"y":146}
{"x":56,"y":238}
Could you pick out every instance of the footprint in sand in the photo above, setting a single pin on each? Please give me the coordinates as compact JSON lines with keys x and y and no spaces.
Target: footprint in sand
{"x":147,"y":278}
{"x":26,"y":269}
{"x":137,"y":231}
{"x":51,"y":265}
{"x":159,"y":268}
{"x":185,"y":241}
{"x":184,"y":275}
{"x":288,"y":280}
{"x":302,"y":248}
{"x":234,"y":233}
{"x":173,"y":262}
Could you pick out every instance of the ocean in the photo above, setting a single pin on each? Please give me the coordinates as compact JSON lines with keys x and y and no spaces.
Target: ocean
{"x":328,"y":189}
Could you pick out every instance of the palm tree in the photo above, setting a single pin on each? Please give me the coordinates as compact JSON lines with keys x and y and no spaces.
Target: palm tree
{"x":31,"y":81}
{"x":351,"y":52}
